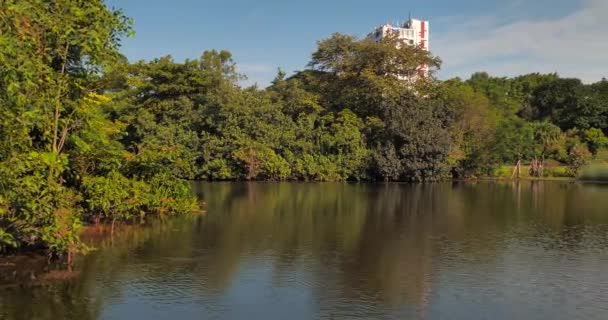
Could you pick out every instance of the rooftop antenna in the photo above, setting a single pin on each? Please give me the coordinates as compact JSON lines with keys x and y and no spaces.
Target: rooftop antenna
{"x":409,"y":21}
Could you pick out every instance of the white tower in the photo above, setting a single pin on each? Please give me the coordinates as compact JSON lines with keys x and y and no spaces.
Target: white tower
{"x":414,"y":32}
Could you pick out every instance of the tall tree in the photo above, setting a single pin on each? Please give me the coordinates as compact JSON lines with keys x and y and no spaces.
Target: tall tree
{"x":52,"y":53}
{"x":366,"y":76}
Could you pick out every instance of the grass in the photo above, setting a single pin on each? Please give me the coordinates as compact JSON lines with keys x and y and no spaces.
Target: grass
{"x":595,"y":172}
{"x":554,"y":172}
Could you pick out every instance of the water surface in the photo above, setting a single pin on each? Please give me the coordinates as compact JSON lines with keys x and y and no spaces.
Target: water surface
{"x":533,"y":250}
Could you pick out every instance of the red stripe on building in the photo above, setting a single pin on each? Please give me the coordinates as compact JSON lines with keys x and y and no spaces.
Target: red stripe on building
{"x":422,"y":30}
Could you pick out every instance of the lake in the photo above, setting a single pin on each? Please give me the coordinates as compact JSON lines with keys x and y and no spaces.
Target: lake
{"x":486,"y":250}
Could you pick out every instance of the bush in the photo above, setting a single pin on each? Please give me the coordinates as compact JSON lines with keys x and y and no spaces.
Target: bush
{"x":117,"y":198}
{"x":578,"y":156}
{"x":35,"y":209}
{"x":595,"y":139}
{"x":559,"y":172}
{"x":594,"y":172}
{"x":602,"y":155}
{"x":169,"y":196}
{"x":114,"y":197}
{"x":6,"y":240}
{"x":549,"y":172}
{"x":503,"y":171}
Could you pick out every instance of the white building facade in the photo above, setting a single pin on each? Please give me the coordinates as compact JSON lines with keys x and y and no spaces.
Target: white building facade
{"x":414,"y":33}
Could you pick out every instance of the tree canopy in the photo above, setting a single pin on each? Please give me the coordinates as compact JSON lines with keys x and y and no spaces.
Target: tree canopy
{"x":87,"y":136}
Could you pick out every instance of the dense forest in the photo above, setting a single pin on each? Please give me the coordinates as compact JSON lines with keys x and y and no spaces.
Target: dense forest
{"x":86,"y":136}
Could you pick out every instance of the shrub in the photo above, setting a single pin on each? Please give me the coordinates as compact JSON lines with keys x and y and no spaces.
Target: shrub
{"x":594,"y":172}
{"x":559,"y":172}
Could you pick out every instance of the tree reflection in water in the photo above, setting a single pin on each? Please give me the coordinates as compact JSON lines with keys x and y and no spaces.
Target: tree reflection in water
{"x":338,"y":251}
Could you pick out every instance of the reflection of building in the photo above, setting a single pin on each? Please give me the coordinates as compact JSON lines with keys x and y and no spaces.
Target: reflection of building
{"x":414,"y":33}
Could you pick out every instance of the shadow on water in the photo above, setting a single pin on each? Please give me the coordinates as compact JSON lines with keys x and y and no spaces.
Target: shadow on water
{"x":299,"y":250}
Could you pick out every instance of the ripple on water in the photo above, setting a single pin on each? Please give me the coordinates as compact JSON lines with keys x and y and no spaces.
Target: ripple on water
{"x":307,"y":251}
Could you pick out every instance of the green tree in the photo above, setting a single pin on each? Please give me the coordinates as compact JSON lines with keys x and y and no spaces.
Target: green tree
{"x":366,"y":76}
{"x":51,"y":54}
{"x":514,"y":140}
{"x":60,"y":128}
{"x":545,"y":136}
{"x":569,"y":104}
{"x":595,"y":139}
{"x":420,"y":140}
{"x":472,"y":124}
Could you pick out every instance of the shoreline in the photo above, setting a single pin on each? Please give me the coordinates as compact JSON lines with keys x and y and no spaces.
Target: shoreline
{"x":94,"y":235}
{"x":371,"y":182}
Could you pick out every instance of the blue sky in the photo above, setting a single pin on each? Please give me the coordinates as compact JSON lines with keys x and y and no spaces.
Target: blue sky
{"x":506,"y":37}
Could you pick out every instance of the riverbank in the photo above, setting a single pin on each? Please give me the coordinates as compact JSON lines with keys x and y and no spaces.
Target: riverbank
{"x":596,"y":171}
{"x":92,"y":237}
{"x":35,"y":269}
{"x":93,"y":234}
{"x":548,"y":179}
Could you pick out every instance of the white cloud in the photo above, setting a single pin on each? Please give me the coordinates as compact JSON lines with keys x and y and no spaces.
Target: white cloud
{"x":257,"y":73}
{"x":573,"y":45}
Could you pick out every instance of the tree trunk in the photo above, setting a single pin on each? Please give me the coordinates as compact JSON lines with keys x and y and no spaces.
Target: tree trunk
{"x":112,"y":228}
{"x":517,"y":170}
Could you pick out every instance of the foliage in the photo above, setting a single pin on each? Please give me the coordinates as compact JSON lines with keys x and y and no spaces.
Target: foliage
{"x":595,"y":139}
{"x":58,"y":132}
{"x":559,"y":172}
{"x":570,"y":104}
{"x":578,"y":156}
{"x":114,"y":196}
{"x":422,"y":146}
{"x":471,"y":121}
{"x":594,"y":172}
{"x":87,"y":136}
{"x":366,"y":76}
